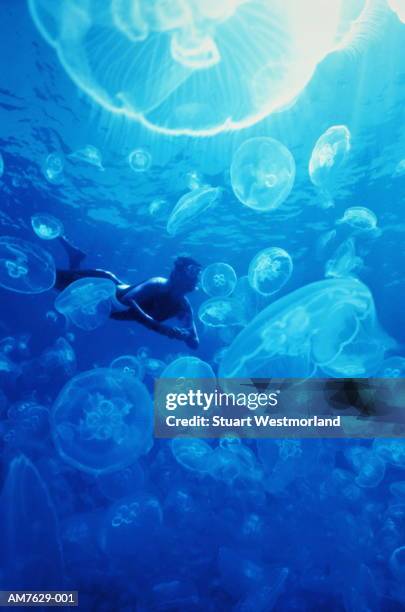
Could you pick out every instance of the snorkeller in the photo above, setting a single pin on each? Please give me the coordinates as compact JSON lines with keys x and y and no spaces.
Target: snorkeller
{"x":150,"y":303}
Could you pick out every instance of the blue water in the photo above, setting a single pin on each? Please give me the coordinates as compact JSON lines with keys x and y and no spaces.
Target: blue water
{"x":288,"y":525}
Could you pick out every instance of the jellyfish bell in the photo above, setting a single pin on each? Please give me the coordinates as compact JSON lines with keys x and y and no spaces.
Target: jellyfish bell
{"x":190,"y":207}
{"x":359,"y":218}
{"x":270,"y":270}
{"x":154,"y":61}
{"x":46,"y":227}
{"x":218,"y":279}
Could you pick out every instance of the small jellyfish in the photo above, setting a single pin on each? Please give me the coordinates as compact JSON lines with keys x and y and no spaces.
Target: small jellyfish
{"x":262,"y":173}
{"x":154,"y":367}
{"x":192,"y":454}
{"x":102,"y":420}
{"x":25,"y":267}
{"x":140,"y":160}
{"x":59,"y":358}
{"x":158,"y":207}
{"x":130,"y":365}
{"x":221,"y":312}
{"x":89,"y":155}
{"x":344,"y":261}
{"x":327,"y":158}
{"x":46,"y":226}
{"x":190,"y":208}
{"x":398,"y":7}
{"x":218,"y":280}
{"x":270,"y":270}
{"x":360,"y":218}
{"x":87,"y":302}
{"x":393,"y":367}
{"x":188,"y":367}
{"x":194,"y":180}
{"x":400,"y":168}
{"x":1,"y":165}
{"x":53,"y":168}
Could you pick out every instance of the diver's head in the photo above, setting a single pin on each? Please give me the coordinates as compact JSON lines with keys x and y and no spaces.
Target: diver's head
{"x":185,"y":274}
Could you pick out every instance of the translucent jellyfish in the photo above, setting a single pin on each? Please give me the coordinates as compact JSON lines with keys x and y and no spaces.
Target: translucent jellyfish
{"x":194,"y":180}
{"x":262,"y":173}
{"x":190,"y":208}
{"x":25,"y":267}
{"x":344,"y":261}
{"x":330,"y":325}
{"x":270,"y":270}
{"x":221,"y":312}
{"x":102,"y":420}
{"x":359,"y":218}
{"x":328,"y":157}
{"x":59,"y":358}
{"x":199,"y":68}
{"x":391,"y":450}
{"x":400,"y":168}
{"x":53,"y":168}
{"x":140,"y":160}
{"x":1,"y":165}
{"x":393,"y":367}
{"x":130,"y":365}
{"x":188,"y":367}
{"x":46,"y":226}
{"x":369,"y":467}
{"x":398,"y":6}
{"x":193,"y":454}
{"x":158,"y":207}
{"x":86,"y":302}
{"x":89,"y":155}
{"x":218,"y":279}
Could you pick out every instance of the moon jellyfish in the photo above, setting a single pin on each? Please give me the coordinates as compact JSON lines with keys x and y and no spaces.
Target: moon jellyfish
{"x":330,"y":325}
{"x":188,"y":367}
{"x":87,"y":302}
{"x":102,"y":420}
{"x":398,"y":7}
{"x":369,"y":467}
{"x":328,"y":157}
{"x":218,"y":279}
{"x":194,"y":455}
{"x":393,"y":367}
{"x":270,"y":270}
{"x":190,"y":207}
{"x":197,"y":68}
{"x":344,"y":261}
{"x":25,"y":267}
{"x":262,"y":173}
{"x":46,"y":226}
{"x":221,"y":312}
{"x":1,"y":165}
{"x":53,"y":168}
{"x":140,"y":160}
{"x":89,"y":155}
{"x":360,"y":218}
{"x":129,"y":365}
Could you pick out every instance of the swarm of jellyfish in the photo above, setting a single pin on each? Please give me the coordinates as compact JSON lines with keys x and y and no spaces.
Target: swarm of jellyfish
{"x":102,"y":420}
{"x":262,"y":173}
{"x":87,"y":302}
{"x":25,"y":267}
{"x":218,"y":280}
{"x":190,"y":208}
{"x":154,"y":62}
{"x":46,"y":227}
{"x":270,"y":270}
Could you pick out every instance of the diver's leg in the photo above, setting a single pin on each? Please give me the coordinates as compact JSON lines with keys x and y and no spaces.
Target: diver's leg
{"x":64,"y":278}
{"x":74,"y":254}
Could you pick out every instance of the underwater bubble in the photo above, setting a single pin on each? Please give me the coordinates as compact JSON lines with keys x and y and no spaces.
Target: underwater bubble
{"x":344,"y":261}
{"x":328,"y":155}
{"x":46,"y":227}
{"x":87,"y":302}
{"x":359,"y":218}
{"x":89,"y":155}
{"x":330,"y":325}
{"x":188,"y":67}
{"x":218,"y":279}
{"x":190,"y":207}
{"x":192,"y":454}
{"x":102,"y":420}
{"x":140,"y":160}
{"x":1,"y":165}
{"x":130,"y":365}
{"x":398,"y":6}
{"x":25,"y":267}
{"x":270,"y":270}
{"x":53,"y":167}
{"x":262,"y":173}
{"x":221,"y":312}
{"x":188,"y":367}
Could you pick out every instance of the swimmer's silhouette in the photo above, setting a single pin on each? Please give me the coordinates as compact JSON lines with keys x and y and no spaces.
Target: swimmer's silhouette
{"x":148,"y":303}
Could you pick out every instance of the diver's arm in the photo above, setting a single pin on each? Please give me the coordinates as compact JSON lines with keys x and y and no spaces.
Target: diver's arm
{"x":186,"y":317}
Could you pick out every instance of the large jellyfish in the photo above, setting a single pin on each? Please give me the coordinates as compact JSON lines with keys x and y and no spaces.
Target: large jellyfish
{"x":25,"y":267}
{"x":218,"y":279}
{"x":330,"y":325}
{"x":102,"y":420}
{"x":270,"y":270}
{"x":398,"y":6}
{"x":190,"y":207}
{"x":262,"y":173}
{"x":198,"y":67}
{"x":46,"y":227}
{"x":87,"y":302}
{"x":327,"y":158}
{"x":221,"y":312}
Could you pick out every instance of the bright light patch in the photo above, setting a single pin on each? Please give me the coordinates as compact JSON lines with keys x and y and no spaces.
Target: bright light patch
{"x":196,"y":67}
